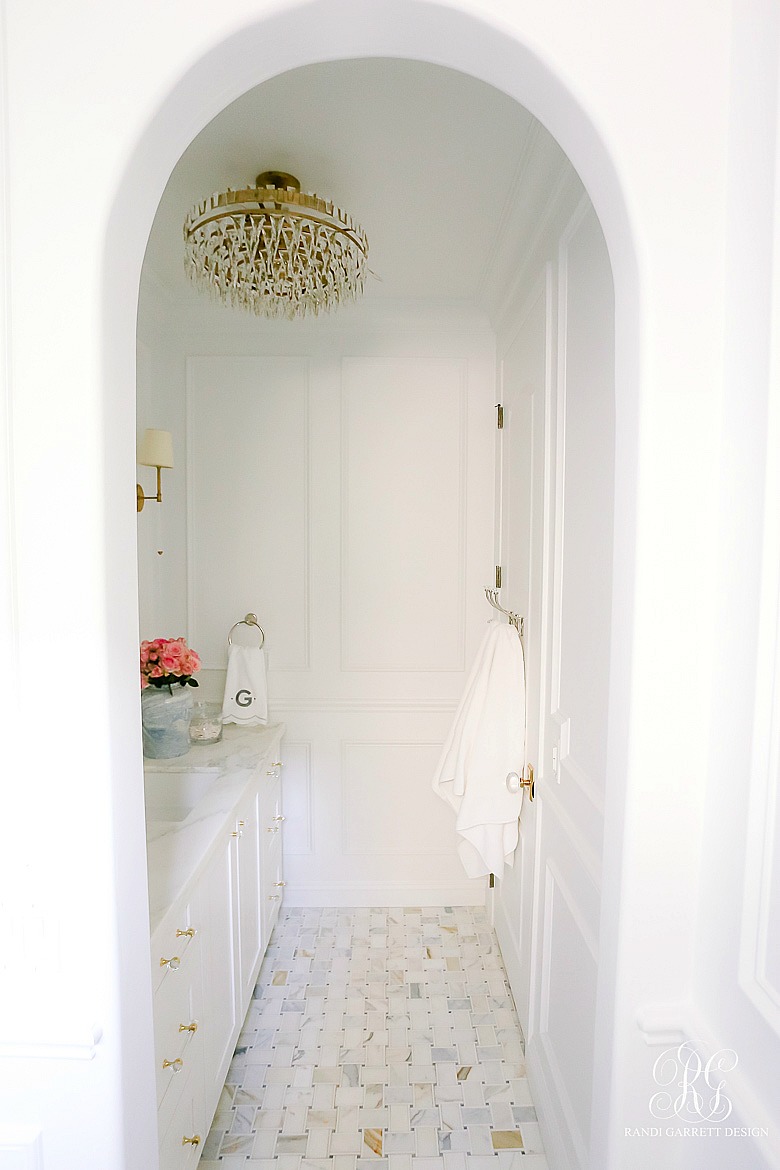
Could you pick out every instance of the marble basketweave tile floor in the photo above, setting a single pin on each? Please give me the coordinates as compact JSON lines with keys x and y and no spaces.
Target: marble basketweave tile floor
{"x":379,"y":1039}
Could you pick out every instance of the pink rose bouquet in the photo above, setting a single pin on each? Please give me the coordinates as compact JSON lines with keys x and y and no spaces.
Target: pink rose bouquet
{"x":168,"y":661}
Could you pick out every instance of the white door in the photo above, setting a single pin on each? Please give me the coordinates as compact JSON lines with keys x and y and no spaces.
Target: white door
{"x":557,"y":548}
{"x":525,"y":375}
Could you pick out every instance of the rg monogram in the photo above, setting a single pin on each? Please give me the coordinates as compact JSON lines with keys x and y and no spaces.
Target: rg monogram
{"x":692,"y":1088}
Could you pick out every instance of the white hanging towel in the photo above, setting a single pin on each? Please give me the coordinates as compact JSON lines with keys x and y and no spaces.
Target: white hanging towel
{"x":486,"y":742}
{"x":246,"y":687}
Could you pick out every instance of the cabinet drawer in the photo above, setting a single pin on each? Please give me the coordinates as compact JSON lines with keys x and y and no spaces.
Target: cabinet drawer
{"x":177,"y":1021}
{"x":171,"y":948}
{"x":270,"y":807}
{"x":271,"y":786}
{"x":273,"y":885}
{"x":182,"y":1139}
{"x":177,"y":1026}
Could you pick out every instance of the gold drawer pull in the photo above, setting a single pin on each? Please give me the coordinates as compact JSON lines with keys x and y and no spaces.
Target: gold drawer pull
{"x":274,"y":897}
{"x":193,"y":1027}
{"x":174,"y":1065}
{"x":193,"y":1141}
{"x":172,"y":964}
{"x":190,"y":932}
{"x":273,"y":829}
{"x":280,"y":818}
{"x":280,"y":883}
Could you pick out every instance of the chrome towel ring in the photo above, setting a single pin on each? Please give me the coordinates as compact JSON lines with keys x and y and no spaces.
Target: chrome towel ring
{"x":249,"y":620}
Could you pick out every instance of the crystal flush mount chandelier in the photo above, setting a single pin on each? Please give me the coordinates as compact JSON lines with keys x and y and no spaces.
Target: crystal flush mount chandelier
{"x":274,"y":250}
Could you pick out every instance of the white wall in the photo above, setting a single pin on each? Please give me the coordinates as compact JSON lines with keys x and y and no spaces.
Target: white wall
{"x":735,"y":1001}
{"x":640,"y":97}
{"x":336,"y":478}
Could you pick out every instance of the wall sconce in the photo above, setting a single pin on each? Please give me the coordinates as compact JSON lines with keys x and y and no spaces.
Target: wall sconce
{"x":155,"y":450}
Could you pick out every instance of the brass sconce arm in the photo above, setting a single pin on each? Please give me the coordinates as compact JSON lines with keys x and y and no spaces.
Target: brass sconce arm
{"x":156,"y":450}
{"x":141,"y":499}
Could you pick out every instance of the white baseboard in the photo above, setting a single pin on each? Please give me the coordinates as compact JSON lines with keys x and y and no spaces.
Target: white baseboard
{"x":466,"y":893}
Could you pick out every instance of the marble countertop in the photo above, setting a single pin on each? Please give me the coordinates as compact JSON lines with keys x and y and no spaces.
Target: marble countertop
{"x":177,"y":850}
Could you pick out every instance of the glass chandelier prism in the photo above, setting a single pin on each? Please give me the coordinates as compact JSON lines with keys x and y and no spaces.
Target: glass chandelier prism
{"x":274,"y":250}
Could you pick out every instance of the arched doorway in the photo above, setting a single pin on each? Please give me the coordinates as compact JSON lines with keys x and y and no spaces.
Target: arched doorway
{"x":302,"y":36}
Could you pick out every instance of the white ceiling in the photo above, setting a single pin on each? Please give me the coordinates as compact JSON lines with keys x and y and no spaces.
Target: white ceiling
{"x":441,"y":170}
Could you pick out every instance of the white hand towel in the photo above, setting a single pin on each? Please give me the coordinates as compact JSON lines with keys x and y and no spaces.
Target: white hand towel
{"x":449,"y":780}
{"x":487,"y":741}
{"x":246,"y":687}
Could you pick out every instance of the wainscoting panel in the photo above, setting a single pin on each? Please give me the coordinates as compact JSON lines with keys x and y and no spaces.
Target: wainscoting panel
{"x":568,"y":988}
{"x":403,"y":514}
{"x":248,"y":503}
{"x":379,"y":835}
{"x":381,"y":782}
{"x":21,"y":1148}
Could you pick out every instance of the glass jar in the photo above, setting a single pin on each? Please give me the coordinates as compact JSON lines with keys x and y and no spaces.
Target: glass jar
{"x":206,"y":723}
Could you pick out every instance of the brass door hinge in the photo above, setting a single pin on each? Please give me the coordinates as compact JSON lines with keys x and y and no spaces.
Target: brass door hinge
{"x":498,"y":576}
{"x":499,"y":416}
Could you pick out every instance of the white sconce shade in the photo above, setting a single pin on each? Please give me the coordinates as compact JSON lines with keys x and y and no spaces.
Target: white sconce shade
{"x":156,"y":449}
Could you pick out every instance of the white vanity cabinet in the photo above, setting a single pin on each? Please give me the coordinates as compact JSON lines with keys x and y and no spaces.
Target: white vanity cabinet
{"x":220,"y":870}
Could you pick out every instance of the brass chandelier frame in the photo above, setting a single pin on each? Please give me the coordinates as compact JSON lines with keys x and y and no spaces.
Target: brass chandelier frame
{"x":328,"y":279}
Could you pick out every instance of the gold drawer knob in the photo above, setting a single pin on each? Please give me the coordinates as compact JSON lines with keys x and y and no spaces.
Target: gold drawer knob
{"x":193,"y":1027}
{"x":172,"y":964}
{"x":190,"y":932}
{"x":193,"y":1141}
{"x":174,"y":1065}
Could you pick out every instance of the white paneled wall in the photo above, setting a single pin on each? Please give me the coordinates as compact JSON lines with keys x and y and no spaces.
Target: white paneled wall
{"x":248,"y":503}
{"x":339,"y":483}
{"x":403,"y":541}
